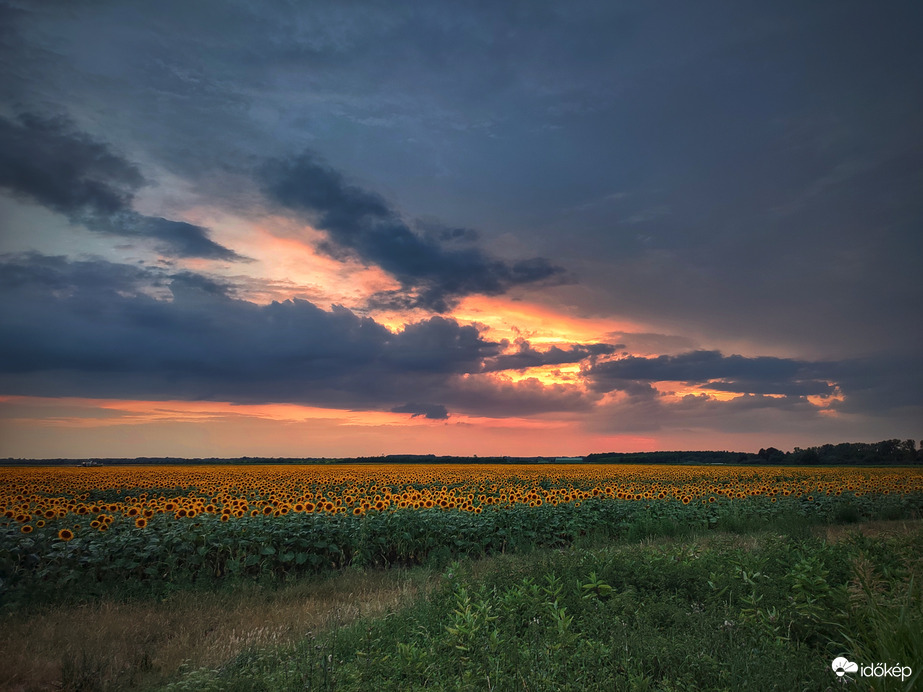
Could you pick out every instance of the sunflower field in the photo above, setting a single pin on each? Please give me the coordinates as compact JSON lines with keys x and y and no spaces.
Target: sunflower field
{"x":83,"y":530}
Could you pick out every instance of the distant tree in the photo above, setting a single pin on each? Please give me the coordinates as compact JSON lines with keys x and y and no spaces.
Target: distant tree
{"x":885,"y":450}
{"x":810,"y":457}
{"x":771,"y":455}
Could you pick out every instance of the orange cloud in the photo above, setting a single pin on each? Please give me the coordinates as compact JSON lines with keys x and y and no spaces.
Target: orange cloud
{"x":511,"y":319}
{"x":677,"y":390}
{"x":286,"y":265}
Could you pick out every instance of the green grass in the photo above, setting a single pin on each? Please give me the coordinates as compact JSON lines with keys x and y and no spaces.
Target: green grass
{"x":762,"y":611}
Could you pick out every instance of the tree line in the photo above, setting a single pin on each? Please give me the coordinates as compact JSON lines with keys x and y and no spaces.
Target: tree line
{"x":886,"y":452}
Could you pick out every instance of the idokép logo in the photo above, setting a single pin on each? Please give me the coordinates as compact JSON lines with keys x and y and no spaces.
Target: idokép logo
{"x":841,"y":666}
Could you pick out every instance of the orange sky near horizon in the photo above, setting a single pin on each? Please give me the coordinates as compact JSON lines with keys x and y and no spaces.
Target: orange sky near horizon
{"x":114,"y":428}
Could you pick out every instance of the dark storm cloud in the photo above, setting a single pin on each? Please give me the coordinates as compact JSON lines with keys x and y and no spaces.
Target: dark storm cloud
{"x":881,"y":384}
{"x":481,"y":396}
{"x":361,"y":223}
{"x":23,"y":275}
{"x":431,"y":411}
{"x":64,"y":170}
{"x":760,"y":375}
{"x":441,"y":345}
{"x":93,"y":328}
{"x":47,"y":161}
{"x":528,"y":357}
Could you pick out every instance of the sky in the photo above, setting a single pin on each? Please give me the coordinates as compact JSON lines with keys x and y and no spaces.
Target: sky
{"x":330,"y":229}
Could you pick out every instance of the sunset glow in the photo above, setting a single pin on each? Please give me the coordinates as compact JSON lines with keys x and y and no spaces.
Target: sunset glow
{"x":231,"y":230}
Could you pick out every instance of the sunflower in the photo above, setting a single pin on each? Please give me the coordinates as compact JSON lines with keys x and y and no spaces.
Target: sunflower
{"x":140,"y":522}
{"x":26,"y":528}
{"x":65,"y":534}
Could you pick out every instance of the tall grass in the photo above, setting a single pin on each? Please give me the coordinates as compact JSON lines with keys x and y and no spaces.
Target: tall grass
{"x":717,"y":611}
{"x":116,"y":644}
{"x":885,"y":617}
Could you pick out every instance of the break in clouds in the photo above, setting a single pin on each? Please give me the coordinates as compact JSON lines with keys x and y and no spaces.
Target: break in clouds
{"x":435,"y":269}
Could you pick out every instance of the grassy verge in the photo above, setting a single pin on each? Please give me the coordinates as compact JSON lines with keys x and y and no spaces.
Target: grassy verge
{"x":720,"y":611}
{"x":117,"y":643}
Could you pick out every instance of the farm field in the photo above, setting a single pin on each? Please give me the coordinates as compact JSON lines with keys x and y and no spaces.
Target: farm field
{"x":77,"y":537}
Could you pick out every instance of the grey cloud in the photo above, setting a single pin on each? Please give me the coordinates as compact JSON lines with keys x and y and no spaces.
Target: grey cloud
{"x":647,"y":343}
{"x":747,"y":413}
{"x":787,"y":388}
{"x":481,"y":396}
{"x":431,"y":411}
{"x":528,"y":357}
{"x":92,"y":328}
{"x":183,"y":239}
{"x":879,"y":393}
{"x":760,"y":375}
{"x":881,"y":385}
{"x":361,"y":223}
{"x":64,"y":170}
{"x":442,"y":345}
{"x":46,"y":160}
{"x":59,"y":276}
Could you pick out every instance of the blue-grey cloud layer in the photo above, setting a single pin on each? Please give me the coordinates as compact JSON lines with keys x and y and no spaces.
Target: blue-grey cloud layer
{"x":761,"y":375}
{"x":92,"y":328}
{"x":48,"y":162}
{"x":722,"y":172}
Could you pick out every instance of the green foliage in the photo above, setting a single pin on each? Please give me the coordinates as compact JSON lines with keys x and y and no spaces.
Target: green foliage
{"x":884,"y":617}
{"x":717,"y":613}
{"x":206,"y":552}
